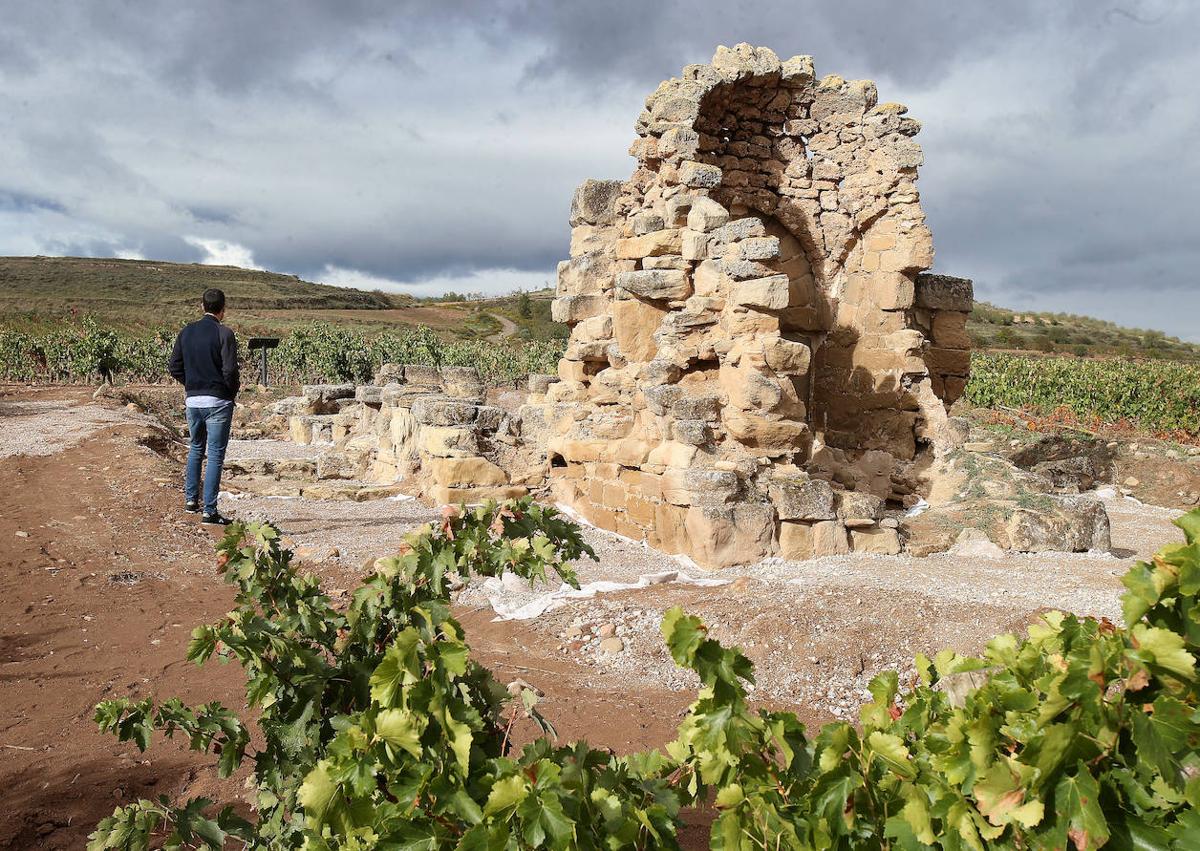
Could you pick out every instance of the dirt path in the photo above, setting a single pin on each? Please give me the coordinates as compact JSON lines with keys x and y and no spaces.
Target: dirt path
{"x":102,"y":578}
{"x":507,"y":327}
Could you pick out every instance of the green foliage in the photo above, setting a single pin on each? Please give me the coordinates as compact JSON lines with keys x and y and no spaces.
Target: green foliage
{"x":313,"y":352}
{"x":1153,"y":394}
{"x":378,"y":731}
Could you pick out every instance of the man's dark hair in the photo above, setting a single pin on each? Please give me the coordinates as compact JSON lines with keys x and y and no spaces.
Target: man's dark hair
{"x":214,"y":301}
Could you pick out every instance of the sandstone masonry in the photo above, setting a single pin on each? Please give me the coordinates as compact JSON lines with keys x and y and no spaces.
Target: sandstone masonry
{"x":757,"y":360}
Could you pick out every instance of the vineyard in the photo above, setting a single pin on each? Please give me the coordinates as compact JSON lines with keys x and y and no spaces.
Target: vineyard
{"x":378,"y":730}
{"x":1157,"y":395}
{"x":315,"y":352}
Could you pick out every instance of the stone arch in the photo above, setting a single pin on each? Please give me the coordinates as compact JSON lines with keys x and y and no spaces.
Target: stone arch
{"x":742,"y":308}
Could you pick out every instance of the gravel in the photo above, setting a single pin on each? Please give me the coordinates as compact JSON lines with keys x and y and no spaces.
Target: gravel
{"x":48,"y":427}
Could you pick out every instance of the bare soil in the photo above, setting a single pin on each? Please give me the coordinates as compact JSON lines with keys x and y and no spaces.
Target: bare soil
{"x":103,"y":577}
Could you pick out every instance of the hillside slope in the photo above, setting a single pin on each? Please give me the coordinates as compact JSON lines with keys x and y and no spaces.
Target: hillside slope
{"x":39,"y":293}
{"x":45,"y":289}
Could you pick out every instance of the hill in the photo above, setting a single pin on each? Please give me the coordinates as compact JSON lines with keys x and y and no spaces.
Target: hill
{"x":39,"y":293}
{"x":999,"y":329}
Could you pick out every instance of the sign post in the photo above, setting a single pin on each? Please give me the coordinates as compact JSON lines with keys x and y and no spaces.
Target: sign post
{"x":263,"y":343}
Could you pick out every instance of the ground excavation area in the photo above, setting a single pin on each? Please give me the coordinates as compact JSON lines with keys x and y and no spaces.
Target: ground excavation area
{"x":104,"y":577}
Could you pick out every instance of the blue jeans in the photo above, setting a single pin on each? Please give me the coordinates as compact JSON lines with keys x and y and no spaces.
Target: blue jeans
{"x":207,"y":427}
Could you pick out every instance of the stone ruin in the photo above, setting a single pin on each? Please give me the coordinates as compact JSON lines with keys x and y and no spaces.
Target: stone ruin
{"x":759,"y":362}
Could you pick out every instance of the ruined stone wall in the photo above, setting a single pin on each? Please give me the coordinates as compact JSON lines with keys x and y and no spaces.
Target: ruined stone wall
{"x":755,"y":364}
{"x":426,"y":426}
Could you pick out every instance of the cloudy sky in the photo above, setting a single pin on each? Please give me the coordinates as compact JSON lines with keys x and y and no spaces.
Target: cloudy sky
{"x":420,"y":146}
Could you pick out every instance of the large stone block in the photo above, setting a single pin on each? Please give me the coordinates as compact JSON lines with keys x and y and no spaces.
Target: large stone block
{"x":803,"y":498}
{"x":699,"y":175}
{"x":441,"y":411}
{"x":655,"y":244}
{"x":457,"y":472}
{"x":595,"y":201}
{"x":656,"y":284}
{"x":942,"y":292}
{"x":575,"y":308}
{"x":771,"y":293}
{"x":706,"y":215}
{"x":723,"y":536}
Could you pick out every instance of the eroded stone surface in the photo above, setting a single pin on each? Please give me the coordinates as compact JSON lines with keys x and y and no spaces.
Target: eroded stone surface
{"x":749,"y":302}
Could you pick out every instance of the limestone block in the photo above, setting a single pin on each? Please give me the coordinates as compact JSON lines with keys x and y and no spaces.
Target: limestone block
{"x":948,"y":361}
{"x":758,"y":248}
{"x":749,"y":390}
{"x":402,"y":427}
{"x":799,"y":497}
{"x":462,"y":382}
{"x":587,"y":274}
{"x":587,"y":239}
{"x":795,"y":540}
{"x":942,"y":292}
{"x":656,"y":284}
{"x":464,"y":471}
{"x":706,"y":215}
{"x":772,"y":293}
{"x":595,"y":201}
{"x":950,"y":329}
{"x":699,"y":175}
{"x":389,"y":373}
{"x":369,"y":394}
{"x":708,"y":280}
{"x":447,"y":442}
{"x":666,"y":261}
{"x":647,"y":221}
{"x":744,"y":61}
{"x":742,"y":270}
{"x":629,"y":451}
{"x":300,"y":429}
{"x":426,"y":376}
{"x":857,"y":509}
{"x":327,"y":392}
{"x":797,"y":71}
{"x":541,"y":383}
{"x":771,"y":436}
{"x":567,"y":391}
{"x":574,"y":308}
{"x":572,"y":370}
{"x":444,"y":495}
{"x":723,"y":536}
{"x":490,"y":418}
{"x":691,"y":432}
{"x":669,"y":533}
{"x":787,"y":356}
{"x":875,"y":540}
{"x":704,"y":407}
{"x":695,"y":245}
{"x":829,"y":539}
{"x":667,"y":241}
{"x":336,"y":464}
{"x":440,"y":411}
{"x":593,"y":329}
{"x":672,"y":454}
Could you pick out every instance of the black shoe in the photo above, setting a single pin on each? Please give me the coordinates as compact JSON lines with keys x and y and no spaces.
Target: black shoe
{"x":215,"y":520}
{"x":192,"y":507}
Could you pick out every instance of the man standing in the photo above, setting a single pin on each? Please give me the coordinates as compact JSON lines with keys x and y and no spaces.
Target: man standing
{"x":205,"y":362}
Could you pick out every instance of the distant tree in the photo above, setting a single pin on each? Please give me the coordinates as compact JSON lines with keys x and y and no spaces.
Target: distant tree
{"x":524,"y":305}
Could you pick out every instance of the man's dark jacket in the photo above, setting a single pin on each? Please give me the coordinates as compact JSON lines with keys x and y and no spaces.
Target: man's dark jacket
{"x":205,"y":359}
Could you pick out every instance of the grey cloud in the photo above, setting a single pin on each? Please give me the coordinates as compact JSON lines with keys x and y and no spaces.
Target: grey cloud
{"x":410,"y":140}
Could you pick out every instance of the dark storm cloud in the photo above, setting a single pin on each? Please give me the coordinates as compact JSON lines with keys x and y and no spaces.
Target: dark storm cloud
{"x":405,"y":140}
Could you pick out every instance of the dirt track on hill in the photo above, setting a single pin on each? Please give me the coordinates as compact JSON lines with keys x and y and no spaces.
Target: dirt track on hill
{"x":103,"y":577}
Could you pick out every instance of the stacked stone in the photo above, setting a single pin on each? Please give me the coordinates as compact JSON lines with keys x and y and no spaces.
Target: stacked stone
{"x":421,"y":424}
{"x":943,"y":304}
{"x":742,"y":305}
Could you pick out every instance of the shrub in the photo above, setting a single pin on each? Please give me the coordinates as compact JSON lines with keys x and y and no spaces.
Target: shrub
{"x":378,"y":731}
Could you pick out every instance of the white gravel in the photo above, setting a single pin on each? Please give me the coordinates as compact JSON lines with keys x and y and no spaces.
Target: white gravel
{"x":48,"y":427}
